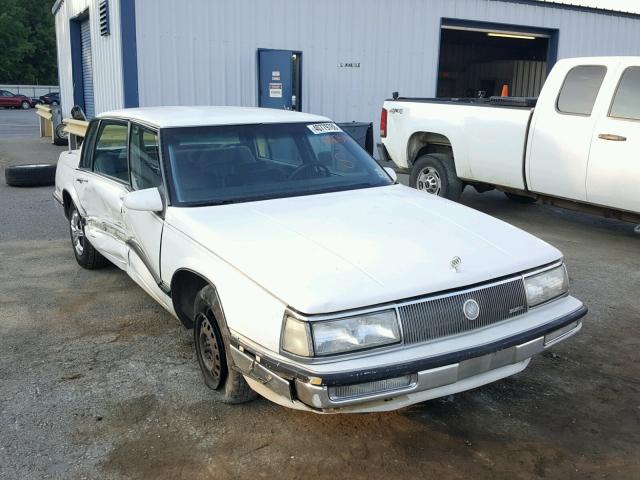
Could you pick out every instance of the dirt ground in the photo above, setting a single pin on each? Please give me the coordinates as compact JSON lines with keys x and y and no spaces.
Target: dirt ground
{"x":97,"y":381}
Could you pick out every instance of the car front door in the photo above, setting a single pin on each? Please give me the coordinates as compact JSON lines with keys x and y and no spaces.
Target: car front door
{"x":144,"y":229}
{"x":5,"y":98}
{"x":561,"y":138}
{"x":613,"y":177}
{"x":102,"y":188}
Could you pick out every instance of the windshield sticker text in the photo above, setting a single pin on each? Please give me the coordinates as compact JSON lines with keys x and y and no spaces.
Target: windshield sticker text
{"x":319,"y":128}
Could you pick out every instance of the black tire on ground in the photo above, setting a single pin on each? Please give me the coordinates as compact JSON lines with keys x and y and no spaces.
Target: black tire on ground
{"x":35,"y":175}
{"x":440,"y":170}
{"x":60,"y":136}
{"x":54,"y":103}
{"x":520,"y":198}
{"x":86,"y":256}
{"x":25,"y":105}
{"x":212,"y":351}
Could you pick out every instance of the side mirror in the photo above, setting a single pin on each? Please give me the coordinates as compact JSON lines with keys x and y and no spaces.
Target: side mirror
{"x":147,"y":200}
{"x":392,"y":173}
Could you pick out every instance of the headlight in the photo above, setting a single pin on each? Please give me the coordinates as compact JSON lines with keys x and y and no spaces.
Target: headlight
{"x":342,"y":335}
{"x":546,"y":286}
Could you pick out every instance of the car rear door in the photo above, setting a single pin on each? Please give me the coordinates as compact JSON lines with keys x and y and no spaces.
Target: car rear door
{"x":5,"y":100}
{"x":561,"y":137}
{"x":102,"y":188}
{"x":613,"y":176}
{"x":144,"y":229}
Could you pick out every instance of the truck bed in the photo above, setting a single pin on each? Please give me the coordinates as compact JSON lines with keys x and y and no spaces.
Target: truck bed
{"x":511,"y":102}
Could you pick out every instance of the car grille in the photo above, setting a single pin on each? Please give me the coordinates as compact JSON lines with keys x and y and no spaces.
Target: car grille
{"x":443,"y":316}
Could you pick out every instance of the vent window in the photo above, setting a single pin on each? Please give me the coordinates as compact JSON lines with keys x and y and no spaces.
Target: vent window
{"x":103,"y":17}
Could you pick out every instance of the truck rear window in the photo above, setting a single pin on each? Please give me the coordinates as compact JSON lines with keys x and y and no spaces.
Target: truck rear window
{"x":580,"y":89}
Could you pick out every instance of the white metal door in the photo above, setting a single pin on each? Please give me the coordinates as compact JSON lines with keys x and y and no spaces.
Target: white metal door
{"x":613,"y":177}
{"x":87,"y":68}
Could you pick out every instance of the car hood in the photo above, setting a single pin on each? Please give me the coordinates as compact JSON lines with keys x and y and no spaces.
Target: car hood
{"x":338,"y":251}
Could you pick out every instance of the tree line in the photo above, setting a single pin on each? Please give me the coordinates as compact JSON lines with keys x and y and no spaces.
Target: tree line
{"x":27,"y":42}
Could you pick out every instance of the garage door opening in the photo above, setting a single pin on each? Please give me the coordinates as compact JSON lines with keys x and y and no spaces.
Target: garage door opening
{"x":480,"y":61}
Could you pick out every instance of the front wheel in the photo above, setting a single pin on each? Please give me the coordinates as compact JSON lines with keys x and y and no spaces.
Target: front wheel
{"x":25,"y":105}
{"x":86,"y":256}
{"x":435,"y":173}
{"x":213,"y":355}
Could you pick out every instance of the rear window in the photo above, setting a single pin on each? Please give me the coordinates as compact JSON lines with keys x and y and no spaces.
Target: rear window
{"x":580,"y":89}
{"x":626,"y":102}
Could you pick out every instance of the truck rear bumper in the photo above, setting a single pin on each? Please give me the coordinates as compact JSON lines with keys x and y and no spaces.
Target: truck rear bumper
{"x":447,"y":375}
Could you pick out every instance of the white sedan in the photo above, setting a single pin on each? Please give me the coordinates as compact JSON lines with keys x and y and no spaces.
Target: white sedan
{"x":308,"y":274}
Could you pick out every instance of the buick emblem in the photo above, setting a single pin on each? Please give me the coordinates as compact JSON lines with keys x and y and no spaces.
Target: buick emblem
{"x":471,"y":309}
{"x":456,"y":263}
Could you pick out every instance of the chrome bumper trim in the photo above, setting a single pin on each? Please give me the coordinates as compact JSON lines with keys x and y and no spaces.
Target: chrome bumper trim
{"x":317,"y":396}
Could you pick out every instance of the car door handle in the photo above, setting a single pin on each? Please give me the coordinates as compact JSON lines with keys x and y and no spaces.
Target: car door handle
{"x":612,"y":138}
{"x":81,"y":180}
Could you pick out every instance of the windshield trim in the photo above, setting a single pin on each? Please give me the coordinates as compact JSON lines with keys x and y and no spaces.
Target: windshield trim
{"x":174,"y":202}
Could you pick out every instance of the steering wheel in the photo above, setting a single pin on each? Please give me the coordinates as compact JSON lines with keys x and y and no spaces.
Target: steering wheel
{"x":316,"y":167}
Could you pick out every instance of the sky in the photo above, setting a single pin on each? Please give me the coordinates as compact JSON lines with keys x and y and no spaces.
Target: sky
{"x":623,"y":5}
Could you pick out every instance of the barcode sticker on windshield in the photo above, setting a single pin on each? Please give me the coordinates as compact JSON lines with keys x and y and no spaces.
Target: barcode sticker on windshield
{"x":319,"y":128}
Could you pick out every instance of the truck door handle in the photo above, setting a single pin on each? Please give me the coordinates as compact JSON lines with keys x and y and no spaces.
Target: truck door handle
{"x":612,"y":138}
{"x":81,"y":180}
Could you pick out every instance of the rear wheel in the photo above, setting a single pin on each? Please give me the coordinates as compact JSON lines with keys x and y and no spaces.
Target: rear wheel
{"x":213,"y":355}
{"x":86,"y":256}
{"x":435,"y":173}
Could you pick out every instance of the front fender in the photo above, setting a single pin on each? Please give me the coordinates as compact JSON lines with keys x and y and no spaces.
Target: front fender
{"x":249,"y":310}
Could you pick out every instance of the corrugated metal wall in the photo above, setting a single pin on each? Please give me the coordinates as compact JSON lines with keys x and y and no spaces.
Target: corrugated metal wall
{"x":107,"y":55}
{"x":204,"y":51}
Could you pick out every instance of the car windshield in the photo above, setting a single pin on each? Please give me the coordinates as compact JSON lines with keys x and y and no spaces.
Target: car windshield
{"x":239,"y":163}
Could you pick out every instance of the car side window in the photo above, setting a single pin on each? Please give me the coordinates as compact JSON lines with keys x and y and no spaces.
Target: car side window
{"x":144,"y":159}
{"x":110,"y":154}
{"x":580,"y":89}
{"x":87,"y":145}
{"x":626,"y":101}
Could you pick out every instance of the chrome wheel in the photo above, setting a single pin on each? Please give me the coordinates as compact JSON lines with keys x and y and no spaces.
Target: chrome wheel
{"x":77,"y":232}
{"x":210,"y":350}
{"x":429,"y":181}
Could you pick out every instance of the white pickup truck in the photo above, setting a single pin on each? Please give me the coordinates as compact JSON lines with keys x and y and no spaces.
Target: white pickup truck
{"x":576,"y":146}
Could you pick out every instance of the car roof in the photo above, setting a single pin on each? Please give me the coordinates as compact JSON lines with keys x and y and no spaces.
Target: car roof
{"x":195,"y":116}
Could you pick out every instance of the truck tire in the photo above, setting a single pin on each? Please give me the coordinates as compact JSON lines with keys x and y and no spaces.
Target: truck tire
{"x":33,"y":175}
{"x":86,"y":256}
{"x":520,"y":198}
{"x":435,"y":173}
{"x":212,"y":351}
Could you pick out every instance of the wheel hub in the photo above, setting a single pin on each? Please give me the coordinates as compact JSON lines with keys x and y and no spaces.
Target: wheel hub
{"x":209,"y":349}
{"x":77,"y":232}
{"x":429,"y":181}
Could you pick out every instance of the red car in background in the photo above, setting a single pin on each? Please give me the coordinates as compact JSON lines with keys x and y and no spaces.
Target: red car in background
{"x":8,"y":99}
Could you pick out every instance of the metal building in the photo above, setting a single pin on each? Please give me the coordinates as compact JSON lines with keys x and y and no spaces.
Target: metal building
{"x":340,"y":58}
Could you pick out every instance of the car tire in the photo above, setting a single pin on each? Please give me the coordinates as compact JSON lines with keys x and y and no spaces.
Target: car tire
{"x":520,"y":198}
{"x":60,"y":136}
{"x":435,"y":173}
{"x":25,"y":105}
{"x":212,"y":351}
{"x":55,"y":103}
{"x":34,"y":175}
{"x":86,"y":255}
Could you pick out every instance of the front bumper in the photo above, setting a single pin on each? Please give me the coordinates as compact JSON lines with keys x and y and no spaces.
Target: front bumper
{"x":404,"y":383}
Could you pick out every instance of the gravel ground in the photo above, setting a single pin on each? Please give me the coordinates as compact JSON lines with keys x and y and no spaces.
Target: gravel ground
{"x":97,"y":381}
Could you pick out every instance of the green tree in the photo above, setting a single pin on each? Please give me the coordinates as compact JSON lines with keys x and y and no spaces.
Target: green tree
{"x":27,"y":42}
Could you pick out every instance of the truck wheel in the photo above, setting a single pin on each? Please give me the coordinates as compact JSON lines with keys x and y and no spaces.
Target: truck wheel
{"x":86,"y":256}
{"x":212,"y":352}
{"x":520,"y":198}
{"x":435,"y":173}
{"x":31,"y":175}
